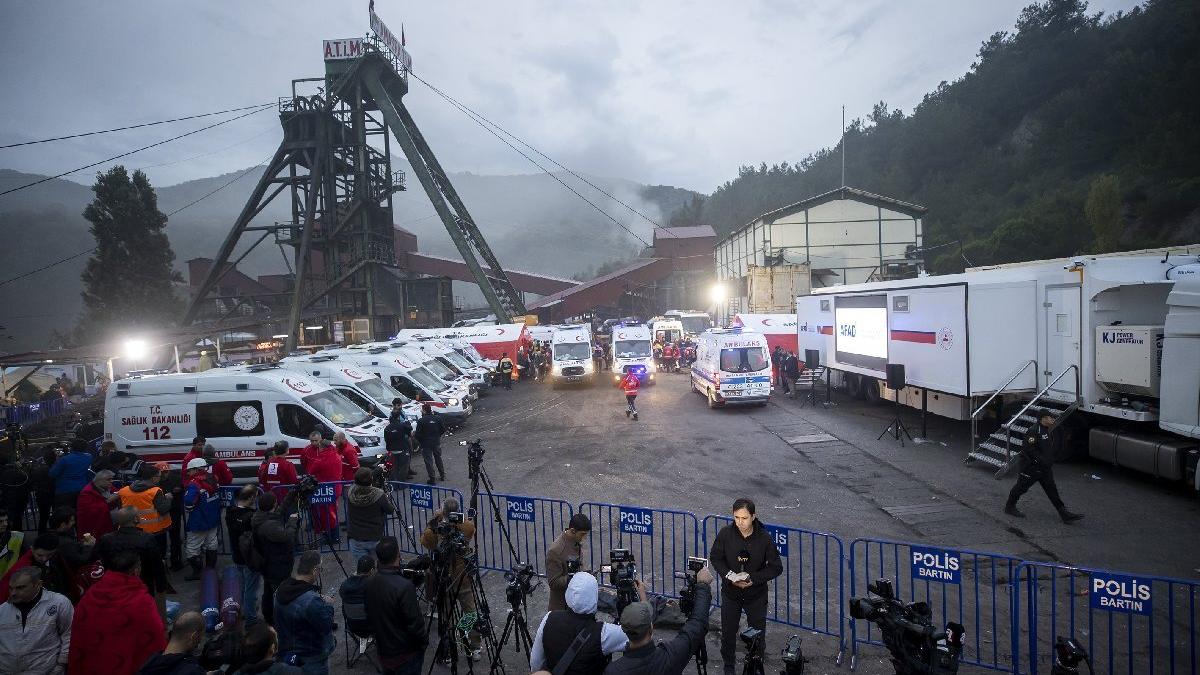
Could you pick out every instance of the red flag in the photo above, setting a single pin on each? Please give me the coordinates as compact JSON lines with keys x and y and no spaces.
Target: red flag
{"x":401,"y":34}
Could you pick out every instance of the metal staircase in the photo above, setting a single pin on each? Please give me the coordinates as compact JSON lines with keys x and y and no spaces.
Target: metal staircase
{"x":1000,"y":446}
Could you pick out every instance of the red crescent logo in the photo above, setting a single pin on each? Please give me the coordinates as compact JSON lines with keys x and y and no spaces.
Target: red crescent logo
{"x":300,"y":385}
{"x":579,"y":338}
{"x":766,"y":322}
{"x":353,"y":374}
{"x":499,"y":331}
{"x":620,"y":336}
{"x":402,"y":364}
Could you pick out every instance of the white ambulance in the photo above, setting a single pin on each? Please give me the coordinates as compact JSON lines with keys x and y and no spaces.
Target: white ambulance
{"x":732,"y":366}
{"x":406,"y":375}
{"x":666,"y":330}
{"x":366,"y":390}
{"x":571,"y":355}
{"x":460,"y":384}
{"x":631,"y":351}
{"x":241,"y":411}
{"x":448,"y":356}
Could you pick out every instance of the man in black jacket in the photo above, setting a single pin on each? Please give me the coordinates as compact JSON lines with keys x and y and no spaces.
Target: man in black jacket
{"x":642,"y":656}
{"x":397,"y":437}
{"x":745,"y":556}
{"x":275,"y":537}
{"x":393,"y":614}
{"x":129,"y":537}
{"x":429,"y":434}
{"x":1036,"y":467}
{"x":238,"y":520}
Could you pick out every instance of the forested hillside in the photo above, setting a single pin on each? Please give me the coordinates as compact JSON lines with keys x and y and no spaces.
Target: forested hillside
{"x":1072,"y":132}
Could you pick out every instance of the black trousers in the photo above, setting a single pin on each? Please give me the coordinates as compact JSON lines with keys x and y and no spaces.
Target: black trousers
{"x":1031,"y":473}
{"x":630,"y":402}
{"x":731,"y":614}
{"x":175,"y":534}
{"x":432,"y":453}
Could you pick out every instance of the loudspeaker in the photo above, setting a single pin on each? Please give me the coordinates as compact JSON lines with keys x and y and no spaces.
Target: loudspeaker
{"x":812,"y":358}
{"x":895,"y":376}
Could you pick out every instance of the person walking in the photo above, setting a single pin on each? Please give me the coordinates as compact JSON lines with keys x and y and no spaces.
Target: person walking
{"x":35,"y":627}
{"x":71,"y":473}
{"x":630,"y":385}
{"x":429,"y":434}
{"x":116,"y":626}
{"x":367,"y":509}
{"x":203,"y":504}
{"x":238,"y":522}
{"x":304,"y":617}
{"x":274,"y":536}
{"x":397,"y":438}
{"x":1036,"y":466}
{"x":505,"y":367}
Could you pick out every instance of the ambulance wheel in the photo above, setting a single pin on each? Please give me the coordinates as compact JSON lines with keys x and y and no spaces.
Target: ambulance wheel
{"x":694,"y":389}
{"x":870,"y":390}
{"x":853,"y":385}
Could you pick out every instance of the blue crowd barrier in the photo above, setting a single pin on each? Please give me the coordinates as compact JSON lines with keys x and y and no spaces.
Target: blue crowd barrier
{"x":533,"y":523}
{"x":1128,"y":623}
{"x":810,"y":592}
{"x":32,"y":413}
{"x":973,"y":588}
{"x":660,"y":540}
{"x":415,"y":505}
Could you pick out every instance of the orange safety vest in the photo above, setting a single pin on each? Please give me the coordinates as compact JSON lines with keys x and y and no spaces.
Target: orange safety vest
{"x":149,"y":519}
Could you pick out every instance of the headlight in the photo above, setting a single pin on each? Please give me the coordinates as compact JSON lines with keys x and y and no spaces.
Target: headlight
{"x":366,"y":441}
{"x":451,"y":401}
{"x":650,"y":368}
{"x":587,"y":366}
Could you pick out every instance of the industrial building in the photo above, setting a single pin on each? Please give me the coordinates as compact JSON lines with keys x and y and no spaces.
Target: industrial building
{"x":845,"y":236}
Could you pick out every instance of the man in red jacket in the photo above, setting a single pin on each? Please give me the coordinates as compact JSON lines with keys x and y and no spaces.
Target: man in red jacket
{"x":93,"y":511}
{"x":326,"y":467}
{"x":349,"y":453}
{"x":630,"y":384}
{"x":276,"y":469}
{"x":116,"y":626}
{"x":217,"y":467}
{"x":309,"y":453}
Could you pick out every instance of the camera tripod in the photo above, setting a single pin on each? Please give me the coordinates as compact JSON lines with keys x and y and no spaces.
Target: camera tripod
{"x":754,"y":657}
{"x":452,"y":621}
{"x":896,"y":427}
{"x":326,"y":536}
{"x":516,"y":626}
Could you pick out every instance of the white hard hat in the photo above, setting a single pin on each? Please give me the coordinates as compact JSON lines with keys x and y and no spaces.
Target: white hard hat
{"x":197,"y":463}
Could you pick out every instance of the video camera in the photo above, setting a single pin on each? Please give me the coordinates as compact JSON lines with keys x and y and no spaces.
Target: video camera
{"x":917,"y":648}
{"x":1067,"y":655}
{"x":792,"y":657}
{"x":573,"y":565}
{"x":474,"y":457}
{"x":520,"y":581}
{"x":451,"y":541}
{"x":622,"y":574}
{"x":687,"y":595}
{"x":415,"y":570}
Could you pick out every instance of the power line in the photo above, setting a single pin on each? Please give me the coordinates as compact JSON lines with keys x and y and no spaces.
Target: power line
{"x":134,"y":126}
{"x":94,"y":248}
{"x":126,"y":154}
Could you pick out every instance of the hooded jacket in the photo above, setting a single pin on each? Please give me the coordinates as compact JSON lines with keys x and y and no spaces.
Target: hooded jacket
{"x":762,"y":559}
{"x":202,"y":501}
{"x":93,"y":515}
{"x":116,"y":627}
{"x":559,"y":628}
{"x":367,"y":509}
{"x":275,"y":537}
{"x":40,"y":644}
{"x":70,"y":472}
{"x":172,"y":664}
{"x":303,"y":618}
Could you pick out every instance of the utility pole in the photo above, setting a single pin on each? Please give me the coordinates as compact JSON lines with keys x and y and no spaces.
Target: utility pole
{"x":843,"y":146}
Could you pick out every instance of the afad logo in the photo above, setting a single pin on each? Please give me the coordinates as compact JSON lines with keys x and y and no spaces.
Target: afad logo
{"x":352,"y":374}
{"x":945,"y":338}
{"x":301,"y":386}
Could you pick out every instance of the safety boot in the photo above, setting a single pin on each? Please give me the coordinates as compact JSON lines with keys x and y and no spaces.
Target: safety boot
{"x":194,"y":574}
{"x":1067,"y":516}
{"x":1011,"y":509}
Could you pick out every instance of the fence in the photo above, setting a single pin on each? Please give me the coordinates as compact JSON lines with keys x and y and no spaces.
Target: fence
{"x":659,"y":539}
{"x":532,"y":524}
{"x":1127,"y":623}
{"x":32,"y":413}
{"x":810,"y":592}
{"x":968,"y":587}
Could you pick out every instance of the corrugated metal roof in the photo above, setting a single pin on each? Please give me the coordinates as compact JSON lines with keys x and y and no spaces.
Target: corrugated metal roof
{"x":845,"y":192}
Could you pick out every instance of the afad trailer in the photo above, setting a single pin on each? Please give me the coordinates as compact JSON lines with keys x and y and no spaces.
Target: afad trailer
{"x":1109,"y":345}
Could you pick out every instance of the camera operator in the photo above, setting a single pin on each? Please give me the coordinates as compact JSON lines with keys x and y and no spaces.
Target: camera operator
{"x":393,"y":614}
{"x":397,"y":436}
{"x":274,"y":527}
{"x":559,"y":630}
{"x":744,"y":546}
{"x":568,"y":547}
{"x":276,"y":469}
{"x":642,"y":656}
{"x":458,"y":584}
{"x":367,"y":509}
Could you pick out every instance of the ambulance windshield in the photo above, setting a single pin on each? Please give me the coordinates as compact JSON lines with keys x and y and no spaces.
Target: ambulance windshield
{"x":335,"y":407}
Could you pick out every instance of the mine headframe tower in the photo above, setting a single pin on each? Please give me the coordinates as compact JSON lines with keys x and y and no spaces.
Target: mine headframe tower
{"x":340,"y":188}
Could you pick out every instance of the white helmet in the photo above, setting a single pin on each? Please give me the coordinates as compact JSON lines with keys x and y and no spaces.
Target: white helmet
{"x":197,"y":463}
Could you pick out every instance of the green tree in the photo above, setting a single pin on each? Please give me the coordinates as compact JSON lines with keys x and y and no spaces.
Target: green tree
{"x":1103,"y":209}
{"x":128,"y":281}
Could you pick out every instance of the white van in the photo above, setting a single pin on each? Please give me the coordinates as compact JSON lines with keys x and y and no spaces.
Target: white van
{"x":444,"y":352}
{"x":667,"y":330}
{"x":631,"y":351}
{"x":571,"y":352}
{"x":460,"y":384}
{"x":407,"y":376}
{"x":732,"y":366}
{"x":366,"y":390}
{"x":241,"y":411}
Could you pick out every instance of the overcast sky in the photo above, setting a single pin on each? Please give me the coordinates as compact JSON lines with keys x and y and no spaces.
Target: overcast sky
{"x":677,"y":93}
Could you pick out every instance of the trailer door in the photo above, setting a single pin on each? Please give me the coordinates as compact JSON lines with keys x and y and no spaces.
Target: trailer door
{"x":1062,"y":336}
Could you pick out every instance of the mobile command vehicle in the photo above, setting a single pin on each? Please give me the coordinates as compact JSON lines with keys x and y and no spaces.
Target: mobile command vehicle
{"x":732,"y":366}
{"x":241,"y":411}
{"x":779,"y":329}
{"x":411,"y":379}
{"x":1109,"y":345}
{"x":692,"y":321}
{"x":631,"y":351}
{"x":366,"y":390}
{"x":571,"y":352}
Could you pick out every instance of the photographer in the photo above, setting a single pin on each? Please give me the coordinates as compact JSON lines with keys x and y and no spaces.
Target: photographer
{"x":367,"y":509}
{"x":568,"y":547}
{"x":457,"y":581}
{"x":559,"y":629}
{"x":743,"y":547}
{"x":274,"y":529}
{"x":642,"y":657}
{"x":393,"y":614}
